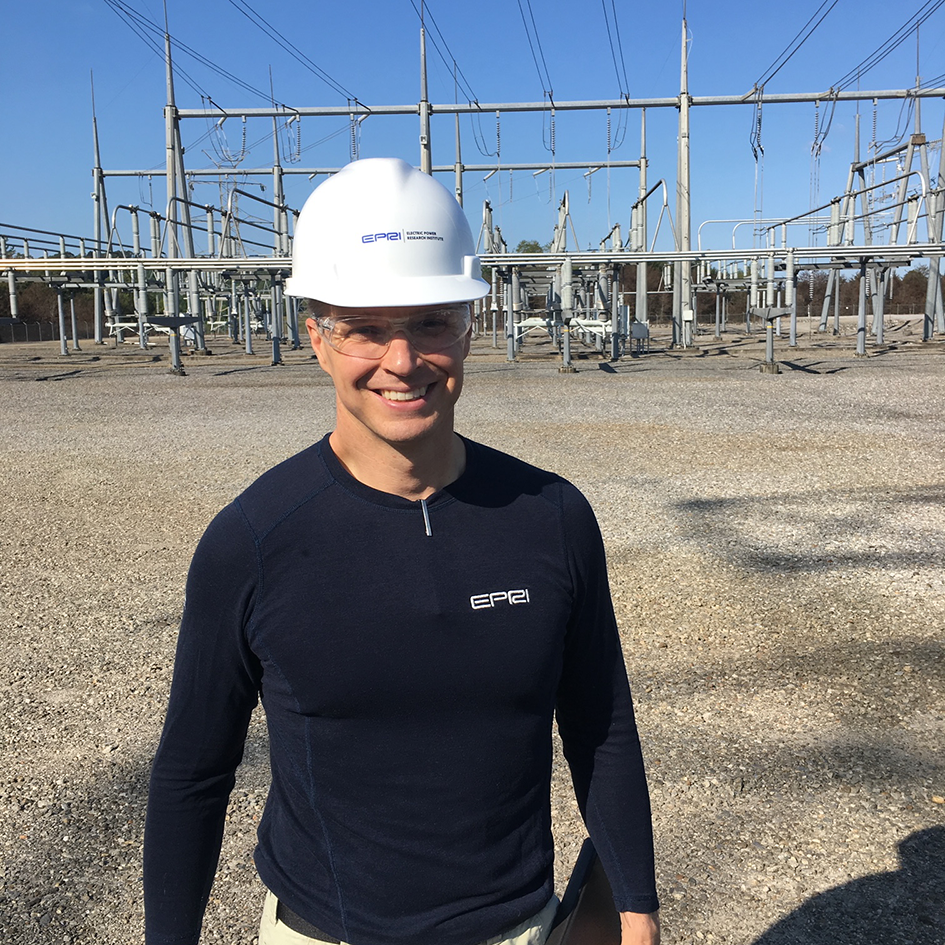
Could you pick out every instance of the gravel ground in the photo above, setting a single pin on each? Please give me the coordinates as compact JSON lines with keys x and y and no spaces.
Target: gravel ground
{"x":775,"y":545}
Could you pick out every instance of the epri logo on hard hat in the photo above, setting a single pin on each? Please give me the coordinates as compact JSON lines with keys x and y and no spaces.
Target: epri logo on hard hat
{"x":399,"y":235}
{"x":390,"y":237}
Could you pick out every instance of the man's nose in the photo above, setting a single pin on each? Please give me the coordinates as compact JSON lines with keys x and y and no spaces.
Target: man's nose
{"x":401,"y":356}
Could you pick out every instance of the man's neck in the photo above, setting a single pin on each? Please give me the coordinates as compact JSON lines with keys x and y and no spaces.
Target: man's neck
{"x":412,"y":470}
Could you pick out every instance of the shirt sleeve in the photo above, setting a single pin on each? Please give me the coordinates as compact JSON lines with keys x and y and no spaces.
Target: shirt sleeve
{"x":213,"y":693}
{"x":596,"y":722}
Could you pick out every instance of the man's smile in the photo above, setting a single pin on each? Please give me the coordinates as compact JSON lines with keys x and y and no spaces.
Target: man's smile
{"x":414,"y":394}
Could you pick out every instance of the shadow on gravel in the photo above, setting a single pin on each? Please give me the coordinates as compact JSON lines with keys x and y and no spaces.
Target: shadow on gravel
{"x":239,"y":370}
{"x":811,"y":368}
{"x":75,"y":876}
{"x":823,"y":530}
{"x":59,"y":377}
{"x":906,"y":907}
{"x":78,"y":859}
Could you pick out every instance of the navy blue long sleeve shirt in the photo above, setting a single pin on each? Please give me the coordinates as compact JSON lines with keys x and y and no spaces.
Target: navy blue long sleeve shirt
{"x":410,"y":666}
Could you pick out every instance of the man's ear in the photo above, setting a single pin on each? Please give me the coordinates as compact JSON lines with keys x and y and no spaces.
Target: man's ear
{"x":313,"y":333}
{"x":318,"y":343}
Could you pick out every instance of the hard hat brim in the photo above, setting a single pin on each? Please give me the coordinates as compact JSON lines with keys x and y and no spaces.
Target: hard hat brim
{"x":390,"y":293}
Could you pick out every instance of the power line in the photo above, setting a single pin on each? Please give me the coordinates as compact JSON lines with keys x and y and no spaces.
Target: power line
{"x":795,"y":44}
{"x":459,"y":77}
{"x":543,"y":77}
{"x":130,"y":19}
{"x":624,"y":86}
{"x":259,"y":21}
{"x":893,"y":42}
{"x":449,"y":60}
{"x":140,"y":23}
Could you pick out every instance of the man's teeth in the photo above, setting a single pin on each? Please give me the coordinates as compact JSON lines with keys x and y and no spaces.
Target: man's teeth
{"x":414,"y":394}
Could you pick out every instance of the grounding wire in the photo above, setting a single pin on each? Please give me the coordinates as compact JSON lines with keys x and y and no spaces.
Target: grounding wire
{"x":258,"y":20}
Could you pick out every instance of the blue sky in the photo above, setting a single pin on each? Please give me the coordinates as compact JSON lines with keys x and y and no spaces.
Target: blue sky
{"x":370,"y":48}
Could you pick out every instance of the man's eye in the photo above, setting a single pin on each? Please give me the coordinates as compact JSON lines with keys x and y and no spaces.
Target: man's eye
{"x":361,"y":331}
{"x":432,"y":325}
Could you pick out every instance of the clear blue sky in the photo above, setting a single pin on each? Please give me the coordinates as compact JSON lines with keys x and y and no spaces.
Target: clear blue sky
{"x":370,"y":48}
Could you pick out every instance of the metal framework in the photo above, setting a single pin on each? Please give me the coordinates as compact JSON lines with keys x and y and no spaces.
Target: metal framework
{"x":237,"y":282}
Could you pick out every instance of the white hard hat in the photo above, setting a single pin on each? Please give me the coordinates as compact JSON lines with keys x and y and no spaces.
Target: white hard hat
{"x":380,"y":233}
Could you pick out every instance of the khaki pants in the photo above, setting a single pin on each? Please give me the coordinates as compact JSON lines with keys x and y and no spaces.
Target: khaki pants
{"x":532,"y":931}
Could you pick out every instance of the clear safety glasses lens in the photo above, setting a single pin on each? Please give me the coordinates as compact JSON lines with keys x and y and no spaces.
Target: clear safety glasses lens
{"x":365,"y":336}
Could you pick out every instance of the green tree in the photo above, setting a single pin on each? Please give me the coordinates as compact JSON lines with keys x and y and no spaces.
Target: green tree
{"x":531,"y":246}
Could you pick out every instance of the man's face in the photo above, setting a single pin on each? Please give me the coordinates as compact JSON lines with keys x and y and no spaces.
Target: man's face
{"x":402,"y":397}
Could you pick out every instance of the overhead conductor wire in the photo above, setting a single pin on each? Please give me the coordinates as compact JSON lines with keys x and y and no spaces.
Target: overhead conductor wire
{"x":150,"y":33}
{"x":544,"y":79}
{"x":616,"y":139}
{"x":451,"y":63}
{"x":754,"y":138}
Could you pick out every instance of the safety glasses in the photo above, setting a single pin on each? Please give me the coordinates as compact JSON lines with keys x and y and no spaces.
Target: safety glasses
{"x":369,"y":336}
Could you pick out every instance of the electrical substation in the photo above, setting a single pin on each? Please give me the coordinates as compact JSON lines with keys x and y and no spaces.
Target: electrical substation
{"x":196,"y":269}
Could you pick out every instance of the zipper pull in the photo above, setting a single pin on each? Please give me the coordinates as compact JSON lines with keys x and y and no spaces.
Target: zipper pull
{"x":426,"y":518}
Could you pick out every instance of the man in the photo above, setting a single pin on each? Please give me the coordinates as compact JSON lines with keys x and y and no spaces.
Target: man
{"x":414,"y":609}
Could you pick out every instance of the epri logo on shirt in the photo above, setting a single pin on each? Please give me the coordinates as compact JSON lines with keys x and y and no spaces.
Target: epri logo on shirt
{"x":482,"y":601}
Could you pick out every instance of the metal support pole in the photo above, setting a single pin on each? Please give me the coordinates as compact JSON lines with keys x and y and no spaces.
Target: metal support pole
{"x":141,"y":285}
{"x":294,"y":324}
{"x":101,"y":213}
{"x":172,"y":309}
{"x":615,"y":339}
{"x":790,"y":295}
{"x":933,"y":316}
{"x":63,"y":344}
{"x":75,"y":324}
{"x":510,"y":344}
{"x":879,"y":304}
{"x":753,"y":302}
{"x":247,"y":319}
{"x":836,"y":305}
{"x":275,"y":324}
{"x":155,"y":225}
{"x":861,"y":313}
{"x":458,"y":169}
{"x":718,"y":312}
{"x":682,"y":295}
{"x":935,"y":277}
{"x":11,"y":282}
{"x":173,"y":340}
{"x":828,"y":296}
{"x":494,"y":308}
{"x":234,"y":314}
{"x":770,"y":366}
{"x":639,"y":233}
{"x":567,"y":366}
{"x":177,"y":197}
{"x":770,"y":289}
{"x":426,"y":155}
{"x":567,"y":312}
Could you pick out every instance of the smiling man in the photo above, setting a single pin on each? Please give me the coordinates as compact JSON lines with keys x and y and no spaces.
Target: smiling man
{"x":415,"y":611}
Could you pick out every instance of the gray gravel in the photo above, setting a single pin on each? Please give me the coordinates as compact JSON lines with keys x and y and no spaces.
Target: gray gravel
{"x":776,"y":548}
